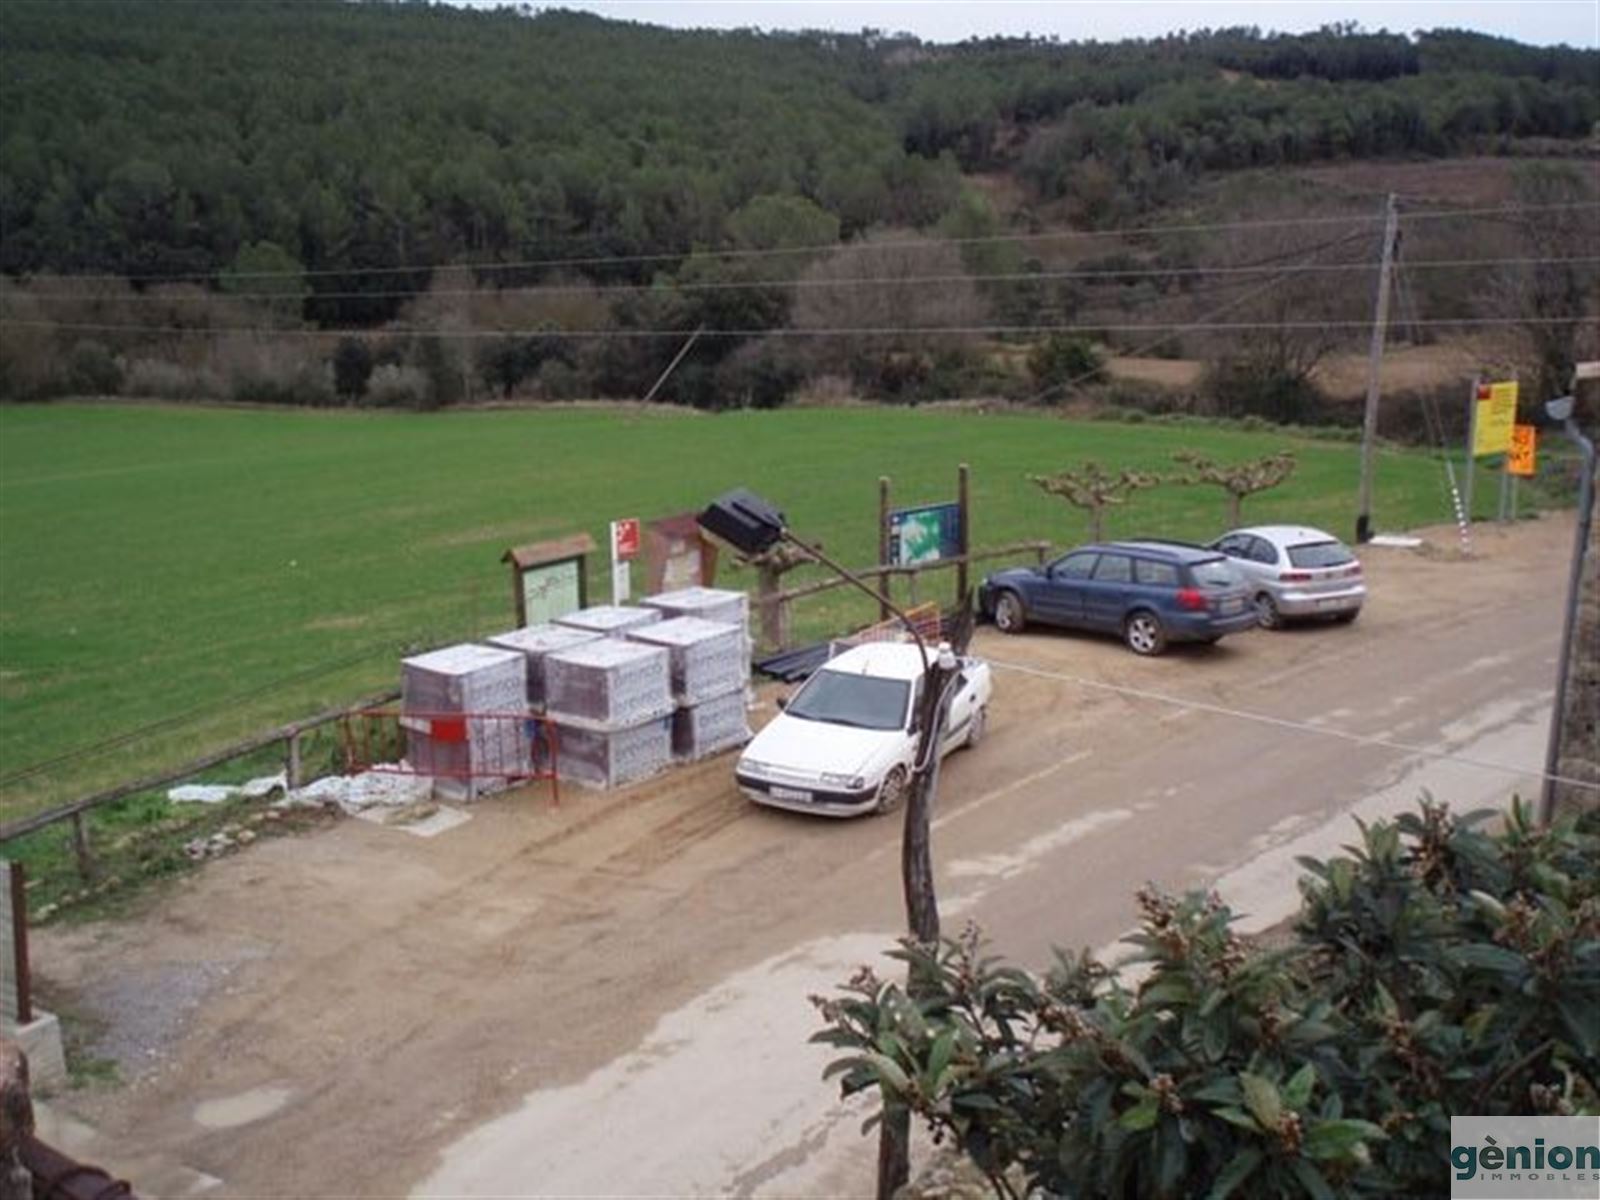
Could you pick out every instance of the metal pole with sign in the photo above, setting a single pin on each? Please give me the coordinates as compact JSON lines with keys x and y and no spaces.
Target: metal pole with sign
{"x":624,"y":549}
{"x":1472,"y":437}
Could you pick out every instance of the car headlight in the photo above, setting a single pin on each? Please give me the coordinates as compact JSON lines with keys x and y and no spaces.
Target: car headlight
{"x":751,"y":767}
{"x":853,"y":782}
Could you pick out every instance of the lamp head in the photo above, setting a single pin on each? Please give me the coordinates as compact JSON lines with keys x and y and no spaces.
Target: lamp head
{"x":744,"y":520}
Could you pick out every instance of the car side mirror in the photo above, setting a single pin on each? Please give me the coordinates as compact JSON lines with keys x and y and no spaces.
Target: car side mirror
{"x":783,"y":703}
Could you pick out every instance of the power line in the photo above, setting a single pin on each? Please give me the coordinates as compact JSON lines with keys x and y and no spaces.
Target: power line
{"x":1360,"y":739}
{"x":1131,"y":231}
{"x":729,"y":285}
{"x":1146,"y":347}
{"x":1099,"y":327}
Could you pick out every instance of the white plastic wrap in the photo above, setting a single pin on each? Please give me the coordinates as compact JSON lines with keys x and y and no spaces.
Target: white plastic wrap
{"x":536,"y":643}
{"x":710,"y":727}
{"x":608,"y":684}
{"x":709,"y":604}
{"x":613,"y":620}
{"x":611,"y":758}
{"x":708,"y":658}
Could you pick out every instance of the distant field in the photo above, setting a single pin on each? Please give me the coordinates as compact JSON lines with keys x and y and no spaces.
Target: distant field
{"x":219,"y":571}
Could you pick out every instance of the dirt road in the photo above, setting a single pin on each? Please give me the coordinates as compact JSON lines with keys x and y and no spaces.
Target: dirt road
{"x":610,"y":997}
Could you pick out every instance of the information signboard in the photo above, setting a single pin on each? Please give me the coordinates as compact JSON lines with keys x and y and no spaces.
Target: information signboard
{"x":1494,"y":414}
{"x":1524,"y":448}
{"x":926,"y":534}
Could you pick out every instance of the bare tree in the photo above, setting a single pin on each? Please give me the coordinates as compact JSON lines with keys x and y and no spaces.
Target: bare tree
{"x":1551,"y":292}
{"x":878,"y":294}
{"x":1239,"y":480}
{"x":1092,"y":488}
{"x":1294,"y":310}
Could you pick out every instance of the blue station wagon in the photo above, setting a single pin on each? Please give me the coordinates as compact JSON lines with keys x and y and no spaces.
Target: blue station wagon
{"x":1148,"y":592}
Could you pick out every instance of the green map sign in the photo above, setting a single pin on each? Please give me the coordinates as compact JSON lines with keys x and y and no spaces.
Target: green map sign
{"x":926,"y":534}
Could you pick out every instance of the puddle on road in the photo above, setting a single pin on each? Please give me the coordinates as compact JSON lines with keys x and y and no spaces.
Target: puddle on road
{"x":232,"y":1111}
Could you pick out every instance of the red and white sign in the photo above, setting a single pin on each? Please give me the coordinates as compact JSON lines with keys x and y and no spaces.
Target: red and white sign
{"x":625,"y":539}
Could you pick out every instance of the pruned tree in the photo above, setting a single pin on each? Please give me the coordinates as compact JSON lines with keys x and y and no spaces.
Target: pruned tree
{"x":1094,"y":489}
{"x":1237,"y":479}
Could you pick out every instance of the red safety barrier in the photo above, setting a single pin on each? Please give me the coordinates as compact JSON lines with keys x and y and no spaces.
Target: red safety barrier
{"x":464,"y":751}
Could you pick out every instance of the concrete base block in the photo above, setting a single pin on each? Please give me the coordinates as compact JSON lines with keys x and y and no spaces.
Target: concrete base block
{"x":40,"y":1040}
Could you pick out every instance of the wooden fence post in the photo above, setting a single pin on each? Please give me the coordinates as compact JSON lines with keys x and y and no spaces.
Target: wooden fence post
{"x":883,"y":546}
{"x":963,"y":500}
{"x":80,"y":847}
{"x":291,"y":770}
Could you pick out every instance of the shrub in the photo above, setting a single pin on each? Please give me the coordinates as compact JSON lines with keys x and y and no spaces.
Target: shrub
{"x":397,"y":387}
{"x":1061,"y":360}
{"x":92,"y":370}
{"x":1438,"y":969}
{"x":352,"y":368}
{"x":278,"y":375}
{"x":161,"y":380}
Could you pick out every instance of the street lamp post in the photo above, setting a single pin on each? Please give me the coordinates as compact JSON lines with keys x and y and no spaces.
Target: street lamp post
{"x":752,"y":526}
{"x":1560,"y":409}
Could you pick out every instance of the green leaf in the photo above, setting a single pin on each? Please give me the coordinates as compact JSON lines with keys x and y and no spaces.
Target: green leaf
{"x":1237,"y":1116}
{"x":1490,"y":958}
{"x":1297,"y":1092}
{"x":1311,"y":1179}
{"x":889,"y":1072}
{"x":1262,"y":1099}
{"x":939,"y":1057}
{"x":1236,"y":1172}
{"x":1142,"y":1115}
{"x":1338,"y":1139}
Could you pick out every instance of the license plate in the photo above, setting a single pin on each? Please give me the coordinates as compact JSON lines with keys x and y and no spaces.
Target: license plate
{"x":1330,"y":603}
{"x":783,"y":793}
{"x":1233,"y":606}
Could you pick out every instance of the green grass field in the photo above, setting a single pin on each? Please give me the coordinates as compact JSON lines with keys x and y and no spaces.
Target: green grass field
{"x":174,"y":578}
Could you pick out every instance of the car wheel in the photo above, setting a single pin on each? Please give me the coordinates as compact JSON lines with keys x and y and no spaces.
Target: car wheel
{"x":1143,"y":633}
{"x":892,"y":791}
{"x":976,"y":730}
{"x":1009,"y":616}
{"x":1267,"y":614}
{"x":1349,"y":614}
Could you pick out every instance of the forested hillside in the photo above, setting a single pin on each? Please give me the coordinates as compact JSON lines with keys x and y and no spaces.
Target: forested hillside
{"x":317,"y":167}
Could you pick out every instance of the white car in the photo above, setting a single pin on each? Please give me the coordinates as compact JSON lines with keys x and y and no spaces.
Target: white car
{"x":1295,"y":572}
{"x":846,"y":742}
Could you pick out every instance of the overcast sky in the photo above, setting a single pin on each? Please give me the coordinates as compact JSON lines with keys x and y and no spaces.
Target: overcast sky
{"x":1542,"y":22}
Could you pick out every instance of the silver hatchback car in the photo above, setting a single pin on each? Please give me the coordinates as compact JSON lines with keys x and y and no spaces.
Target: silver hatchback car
{"x":1296,"y":572}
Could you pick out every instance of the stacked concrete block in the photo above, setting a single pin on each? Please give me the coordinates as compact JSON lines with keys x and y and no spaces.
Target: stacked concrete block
{"x":603,"y":758}
{"x":536,"y":643}
{"x":710,"y":727}
{"x":709,"y":604}
{"x":708,"y":658}
{"x":461,"y":708}
{"x":612,"y":620}
{"x":608,"y":684}
{"x":611,"y":701}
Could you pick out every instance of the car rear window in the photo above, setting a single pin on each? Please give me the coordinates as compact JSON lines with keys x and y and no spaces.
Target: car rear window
{"x":1320,"y":554}
{"x":1162,"y":574}
{"x":1214,"y":573}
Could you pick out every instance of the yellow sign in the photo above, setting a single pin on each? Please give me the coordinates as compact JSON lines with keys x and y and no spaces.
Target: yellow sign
{"x":1524,"y":440}
{"x":1493,"y":417}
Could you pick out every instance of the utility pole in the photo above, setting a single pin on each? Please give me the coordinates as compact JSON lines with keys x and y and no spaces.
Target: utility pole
{"x":1380,"y":330}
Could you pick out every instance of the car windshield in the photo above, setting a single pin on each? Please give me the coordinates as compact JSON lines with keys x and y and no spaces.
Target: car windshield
{"x":1214,"y":573}
{"x":863,"y":701}
{"x":1320,"y":554}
